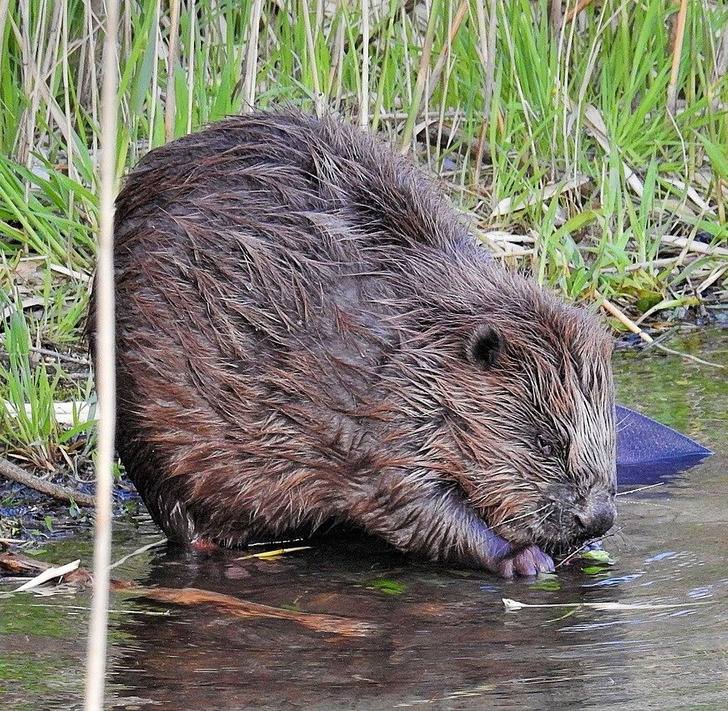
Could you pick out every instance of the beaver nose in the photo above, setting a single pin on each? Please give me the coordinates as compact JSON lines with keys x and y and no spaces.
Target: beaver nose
{"x":597,"y":516}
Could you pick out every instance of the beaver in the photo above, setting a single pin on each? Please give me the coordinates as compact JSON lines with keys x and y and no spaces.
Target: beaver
{"x":309,"y":335}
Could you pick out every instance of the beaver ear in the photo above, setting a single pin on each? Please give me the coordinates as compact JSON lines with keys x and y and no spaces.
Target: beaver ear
{"x":484,"y":346}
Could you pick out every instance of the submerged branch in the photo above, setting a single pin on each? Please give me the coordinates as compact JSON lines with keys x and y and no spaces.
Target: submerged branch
{"x":186,"y":597}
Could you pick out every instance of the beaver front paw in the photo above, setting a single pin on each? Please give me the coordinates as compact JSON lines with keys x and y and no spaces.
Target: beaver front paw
{"x":528,"y":561}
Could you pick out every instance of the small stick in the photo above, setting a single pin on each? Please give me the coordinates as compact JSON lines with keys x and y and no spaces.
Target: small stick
{"x":138,"y":551}
{"x":59,"y":356}
{"x":634,"y":328}
{"x":695,"y":359}
{"x":514,"y":253}
{"x":610,"y":308}
{"x":663,"y":262}
{"x":582,"y":4}
{"x":15,"y":473}
{"x":573,"y":554}
{"x":513,"y":605}
{"x":5,"y":542}
{"x":49,"y":574}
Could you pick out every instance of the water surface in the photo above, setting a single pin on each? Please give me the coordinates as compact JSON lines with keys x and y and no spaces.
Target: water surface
{"x":442,"y":638}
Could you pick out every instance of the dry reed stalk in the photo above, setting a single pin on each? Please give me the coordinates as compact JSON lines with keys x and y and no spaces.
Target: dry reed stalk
{"x":155,"y":75}
{"x":68,"y":125}
{"x":422,"y":73}
{"x":170,"y":106}
{"x":555,"y":16}
{"x":3,"y":20}
{"x":486,"y":36}
{"x":364,"y":96}
{"x":714,"y":276}
{"x":105,"y":372}
{"x":191,"y":62}
{"x":441,"y":65}
{"x":311,"y":47}
{"x":89,"y":87}
{"x":336,"y":73}
{"x":690,"y":245}
{"x":676,"y":54}
{"x":251,"y":56}
{"x":445,"y":51}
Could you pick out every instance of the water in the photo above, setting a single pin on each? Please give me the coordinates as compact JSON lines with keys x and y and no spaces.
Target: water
{"x":442,"y":638}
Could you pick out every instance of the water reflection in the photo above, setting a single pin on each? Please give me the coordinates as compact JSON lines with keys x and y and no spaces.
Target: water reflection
{"x":442,"y":639}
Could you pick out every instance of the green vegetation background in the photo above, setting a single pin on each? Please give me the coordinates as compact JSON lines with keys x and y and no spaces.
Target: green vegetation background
{"x":590,"y":150}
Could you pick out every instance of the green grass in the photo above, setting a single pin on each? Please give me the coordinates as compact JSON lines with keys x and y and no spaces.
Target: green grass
{"x":573,"y":124}
{"x":35,"y":430}
{"x":30,"y":389}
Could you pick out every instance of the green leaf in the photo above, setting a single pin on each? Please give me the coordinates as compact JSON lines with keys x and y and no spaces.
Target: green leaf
{"x":546,"y":581}
{"x":718,"y":156}
{"x":597,"y":556}
{"x":385,"y":585}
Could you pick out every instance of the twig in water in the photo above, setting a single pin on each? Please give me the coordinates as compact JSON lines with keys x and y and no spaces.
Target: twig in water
{"x":640,"y":488}
{"x":514,"y":605}
{"x":573,"y":554}
{"x":188,"y":597}
{"x":49,"y":574}
{"x":138,"y":551}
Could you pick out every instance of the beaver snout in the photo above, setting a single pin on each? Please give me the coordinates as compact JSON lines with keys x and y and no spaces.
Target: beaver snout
{"x":596,"y":516}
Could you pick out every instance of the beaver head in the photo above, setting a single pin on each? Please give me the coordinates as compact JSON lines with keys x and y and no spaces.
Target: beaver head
{"x":511,"y":398}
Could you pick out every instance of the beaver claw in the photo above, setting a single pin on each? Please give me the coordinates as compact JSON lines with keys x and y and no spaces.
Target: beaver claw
{"x":528,"y":561}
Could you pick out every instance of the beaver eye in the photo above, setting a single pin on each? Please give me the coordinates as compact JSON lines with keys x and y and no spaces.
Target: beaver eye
{"x":544,"y":446}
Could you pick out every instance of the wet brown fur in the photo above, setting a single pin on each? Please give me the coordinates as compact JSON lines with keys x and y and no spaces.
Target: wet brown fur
{"x":309,"y":334}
